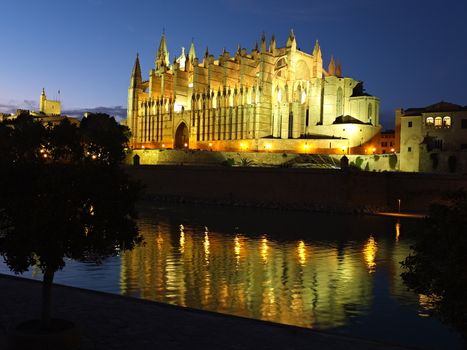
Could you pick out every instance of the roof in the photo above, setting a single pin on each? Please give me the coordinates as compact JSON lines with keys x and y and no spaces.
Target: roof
{"x":347,"y":119}
{"x":441,"y":106}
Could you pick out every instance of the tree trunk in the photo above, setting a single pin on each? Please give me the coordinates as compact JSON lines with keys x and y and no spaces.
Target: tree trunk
{"x":46,"y":297}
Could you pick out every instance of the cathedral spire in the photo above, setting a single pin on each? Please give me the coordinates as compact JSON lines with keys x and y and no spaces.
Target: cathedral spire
{"x":192,"y":52}
{"x":332,"y":67}
{"x":291,"y":42}
{"x":339,"y":70}
{"x":317,"y":49}
{"x":162,"y":58}
{"x":136,"y":79}
{"x":272,"y":45}
{"x":263,"y":42}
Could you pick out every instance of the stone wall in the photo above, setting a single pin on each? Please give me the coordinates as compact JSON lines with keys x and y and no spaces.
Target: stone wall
{"x":384,"y":162}
{"x":310,"y":189}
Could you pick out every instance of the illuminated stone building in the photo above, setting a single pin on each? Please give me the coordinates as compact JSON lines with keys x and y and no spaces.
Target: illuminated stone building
{"x":433,"y":139}
{"x":277,"y":99}
{"x":49,"y":112}
{"x":49,"y":107}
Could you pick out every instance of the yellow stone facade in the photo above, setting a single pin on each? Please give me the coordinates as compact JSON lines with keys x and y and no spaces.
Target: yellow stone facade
{"x":49,"y":107}
{"x":276,"y":99}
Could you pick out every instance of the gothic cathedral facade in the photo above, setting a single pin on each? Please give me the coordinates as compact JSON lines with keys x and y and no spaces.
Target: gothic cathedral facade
{"x":271,"y":99}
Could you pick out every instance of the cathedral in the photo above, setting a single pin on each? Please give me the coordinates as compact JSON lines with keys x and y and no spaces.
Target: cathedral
{"x":274,"y":99}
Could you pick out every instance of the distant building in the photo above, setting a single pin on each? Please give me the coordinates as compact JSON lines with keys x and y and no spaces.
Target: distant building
{"x":49,"y":112}
{"x":433,"y":139}
{"x":275,"y":99}
{"x":49,"y":107}
{"x":385,"y":142}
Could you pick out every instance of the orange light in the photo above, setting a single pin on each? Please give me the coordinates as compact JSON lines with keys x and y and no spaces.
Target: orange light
{"x":163,"y":145}
{"x":210,"y":144}
{"x":268,"y":146}
{"x":185,"y":144}
{"x":392,"y":149}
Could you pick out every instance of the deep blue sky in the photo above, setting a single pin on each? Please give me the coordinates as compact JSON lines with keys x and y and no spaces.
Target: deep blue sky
{"x":408,"y":52}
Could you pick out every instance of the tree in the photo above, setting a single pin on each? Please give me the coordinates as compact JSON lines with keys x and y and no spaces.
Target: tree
{"x":104,"y":138}
{"x":437,"y":267}
{"x":56,"y":202}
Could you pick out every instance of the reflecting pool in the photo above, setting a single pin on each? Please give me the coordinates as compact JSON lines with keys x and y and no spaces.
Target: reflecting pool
{"x":339,"y":273}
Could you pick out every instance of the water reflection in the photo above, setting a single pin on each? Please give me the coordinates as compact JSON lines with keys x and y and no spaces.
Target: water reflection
{"x":256,"y":277}
{"x":313,"y":270}
{"x":369,"y":251}
{"x":398,"y":230}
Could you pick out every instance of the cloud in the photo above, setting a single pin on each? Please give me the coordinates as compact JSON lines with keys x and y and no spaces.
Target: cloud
{"x":12,"y":105}
{"x":119,"y":112}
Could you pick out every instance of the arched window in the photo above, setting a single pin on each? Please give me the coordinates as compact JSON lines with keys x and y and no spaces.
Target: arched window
{"x":430,"y":121}
{"x":339,"y":103}
{"x":438,"y":122}
{"x":370,"y":112}
{"x":279,"y":95}
{"x":447,"y":122}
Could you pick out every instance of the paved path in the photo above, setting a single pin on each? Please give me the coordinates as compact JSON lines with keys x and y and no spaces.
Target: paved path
{"x":114,"y":322}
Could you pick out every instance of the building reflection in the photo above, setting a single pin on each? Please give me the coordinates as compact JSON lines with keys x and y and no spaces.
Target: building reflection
{"x":369,"y":252}
{"x":293,"y":282}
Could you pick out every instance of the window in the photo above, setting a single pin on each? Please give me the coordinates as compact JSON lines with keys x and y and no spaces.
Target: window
{"x":464,"y":123}
{"x":438,"y":122}
{"x":339,"y":102}
{"x":410,"y":125}
{"x":430,"y":121}
{"x":409,"y":149}
{"x":307,"y":117}
{"x":447,"y":122}
{"x":384,"y":144}
{"x":290,"y":125}
{"x":439,"y":144}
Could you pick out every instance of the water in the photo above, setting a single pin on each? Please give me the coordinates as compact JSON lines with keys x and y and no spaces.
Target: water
{"x":321,"y":271}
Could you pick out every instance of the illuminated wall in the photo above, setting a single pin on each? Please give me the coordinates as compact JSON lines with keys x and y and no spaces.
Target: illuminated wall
{"x":275,"y":93}
{"x":430,"y":136}
{"x":49,"y":107}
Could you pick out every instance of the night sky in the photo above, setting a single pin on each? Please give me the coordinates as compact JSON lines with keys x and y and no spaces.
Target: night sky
{"x":409,"y":53}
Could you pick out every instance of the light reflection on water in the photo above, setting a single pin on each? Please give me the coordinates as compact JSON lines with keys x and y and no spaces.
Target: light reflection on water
{"x":339,"y":273}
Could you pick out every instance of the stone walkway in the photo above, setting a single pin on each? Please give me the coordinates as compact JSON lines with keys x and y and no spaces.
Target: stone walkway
{"x":114,"y":322}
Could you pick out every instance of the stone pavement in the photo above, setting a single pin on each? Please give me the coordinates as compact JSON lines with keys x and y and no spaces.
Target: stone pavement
{"x":114,"y":322}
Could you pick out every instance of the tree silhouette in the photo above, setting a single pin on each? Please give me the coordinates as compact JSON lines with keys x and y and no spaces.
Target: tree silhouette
{"x":57,"y":201}
{"x":438,"y":266}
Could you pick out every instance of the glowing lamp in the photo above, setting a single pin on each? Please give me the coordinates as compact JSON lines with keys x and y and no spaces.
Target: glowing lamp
{"x":268,"y":146}
{"x":185,"y":144}
{"x":210,"y":144}
{"x":392,"y":149}
{"x":163,"y":145}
